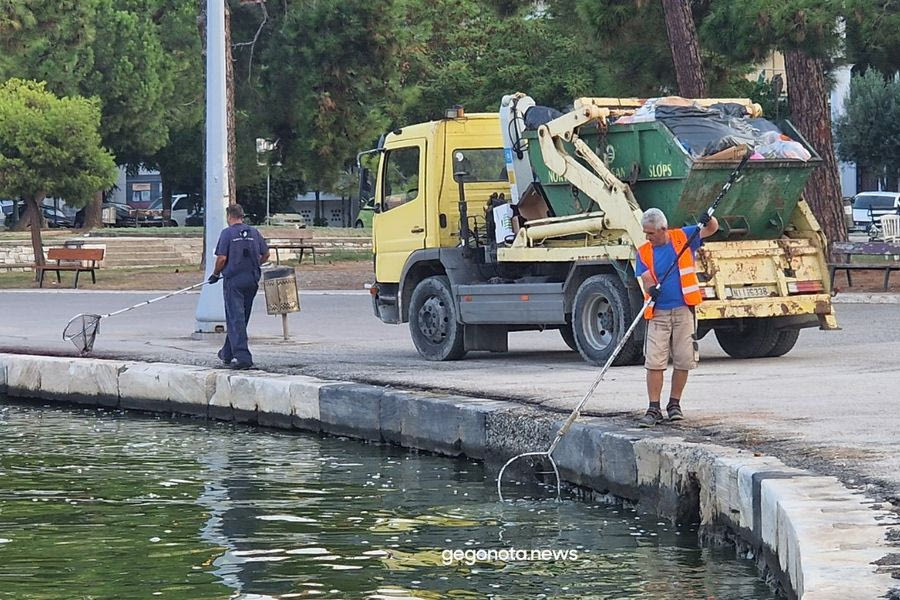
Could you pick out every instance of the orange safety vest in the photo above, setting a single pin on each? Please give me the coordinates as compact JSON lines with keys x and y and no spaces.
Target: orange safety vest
{"x":690,"y":285}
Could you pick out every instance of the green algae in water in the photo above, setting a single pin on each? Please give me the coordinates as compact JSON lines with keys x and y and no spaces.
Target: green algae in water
{"x":97,"y":505}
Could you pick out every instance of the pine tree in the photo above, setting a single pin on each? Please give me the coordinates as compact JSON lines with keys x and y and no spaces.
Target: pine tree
{"x":805,"y":31}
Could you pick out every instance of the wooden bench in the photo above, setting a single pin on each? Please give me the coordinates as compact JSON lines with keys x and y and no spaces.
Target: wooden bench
{"x":79,"y":260}
{"x":301,"y":244}
{"x":888,"y":251}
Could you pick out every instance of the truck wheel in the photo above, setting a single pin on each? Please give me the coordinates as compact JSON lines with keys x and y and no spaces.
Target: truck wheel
{"x":786,"y":340}
{"x":432,"y":321}
{"x":568,"y":336}
{"x":756,"y":339}
{"x":600,"y":316}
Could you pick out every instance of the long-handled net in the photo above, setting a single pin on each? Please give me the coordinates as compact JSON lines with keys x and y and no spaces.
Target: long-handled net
{"x":540,"y":458}
{"x":82,"y":329}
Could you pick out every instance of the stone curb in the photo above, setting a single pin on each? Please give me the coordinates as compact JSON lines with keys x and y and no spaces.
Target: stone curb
{"x":863,"y":298}
{"x":812,"y":537}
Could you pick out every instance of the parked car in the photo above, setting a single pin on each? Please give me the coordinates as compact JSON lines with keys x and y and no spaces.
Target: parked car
{"x":195,"y":219}
{"x":365,"y":216}
{"x":55,"y":217}
{"x":126,"y":216}
{"x":869,"y":207}
{"x":183,"y":205}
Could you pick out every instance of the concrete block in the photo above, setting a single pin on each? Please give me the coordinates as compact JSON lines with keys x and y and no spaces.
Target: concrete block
{"x":618,"y":464}
{"x":189,"y":390}
{"x":473,"y":419}
{"x":747,"y":474}
{"x":243,"y":396}
{"x":578,"y":456}
{"x":220,"y":401}
{"x":24,"y":374}
{"x":95,"y":382}
{"x":647,"y":460}
{"x":54,"y":377}
{"x":273,"y":401}
{"x":144,"y":386}
{"x":305,"y":413}
{"x":2,"y":375}
{"x":351,"y":410}
{"x":767,"y":525}
{"x":725,"y":501}
{"x":82,"y":381}
{"x":431,"y":424}
{"x":391,"y":410}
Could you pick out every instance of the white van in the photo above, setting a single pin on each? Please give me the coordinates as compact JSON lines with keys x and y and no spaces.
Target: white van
{"x":182,"y":207}
{"x":868,"y":207}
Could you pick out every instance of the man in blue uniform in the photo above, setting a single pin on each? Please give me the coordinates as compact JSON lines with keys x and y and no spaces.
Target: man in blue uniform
{"x":239,"y":253}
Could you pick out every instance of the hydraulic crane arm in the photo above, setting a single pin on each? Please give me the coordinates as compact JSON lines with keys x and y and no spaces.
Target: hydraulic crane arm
{"x":611,"y":195}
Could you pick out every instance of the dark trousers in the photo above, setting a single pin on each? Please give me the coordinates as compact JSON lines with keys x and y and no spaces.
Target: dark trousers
{"x":238,"y":305}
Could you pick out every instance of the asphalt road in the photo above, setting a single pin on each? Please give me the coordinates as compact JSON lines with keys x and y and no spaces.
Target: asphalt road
{"x":829,"y":405}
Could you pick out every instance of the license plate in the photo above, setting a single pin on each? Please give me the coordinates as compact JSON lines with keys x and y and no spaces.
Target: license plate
{"x":750,"y":292}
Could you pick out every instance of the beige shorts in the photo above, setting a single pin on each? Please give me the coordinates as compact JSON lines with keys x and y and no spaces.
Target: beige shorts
{"x":672,"y":334}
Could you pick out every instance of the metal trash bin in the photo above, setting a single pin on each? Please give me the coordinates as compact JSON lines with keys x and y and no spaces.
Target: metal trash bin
{"x":282,"y":297}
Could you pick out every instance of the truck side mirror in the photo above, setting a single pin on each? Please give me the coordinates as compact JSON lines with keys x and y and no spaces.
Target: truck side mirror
{"x":365,"y":185}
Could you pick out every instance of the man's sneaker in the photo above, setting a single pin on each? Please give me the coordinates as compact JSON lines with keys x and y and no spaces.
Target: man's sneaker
{"x":675,"y":413}
{"x":242,"y":366}
{"x":653,"y":416}
{"x":222,"y":358}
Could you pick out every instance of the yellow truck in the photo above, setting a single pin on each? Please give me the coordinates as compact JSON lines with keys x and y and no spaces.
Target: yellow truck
{"x":485,"y":225}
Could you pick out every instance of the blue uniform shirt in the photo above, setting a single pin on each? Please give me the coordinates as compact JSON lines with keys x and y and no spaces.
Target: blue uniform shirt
{"x":670,"y":295}
{"x":243,"y":246}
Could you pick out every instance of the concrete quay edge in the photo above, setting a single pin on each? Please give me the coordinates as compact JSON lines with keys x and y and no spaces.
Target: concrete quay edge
{"x":812,"y":537}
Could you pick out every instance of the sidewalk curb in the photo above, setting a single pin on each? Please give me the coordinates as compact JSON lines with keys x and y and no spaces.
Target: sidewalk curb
{"x":46,"y":291}
{"x":865,"y":298}
{"x":811,"y":537}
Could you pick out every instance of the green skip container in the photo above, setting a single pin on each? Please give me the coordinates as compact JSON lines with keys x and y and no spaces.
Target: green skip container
{"x":663,"y":175}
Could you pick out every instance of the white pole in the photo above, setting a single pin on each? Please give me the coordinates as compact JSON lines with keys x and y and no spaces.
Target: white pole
{"x":268,"y":174}
{"x":211,"y":306}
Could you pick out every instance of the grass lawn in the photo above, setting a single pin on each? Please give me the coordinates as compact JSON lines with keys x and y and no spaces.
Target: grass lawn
{"x":181,"y":232}
{"x":107,"y":279}
{"x":344,"y":269}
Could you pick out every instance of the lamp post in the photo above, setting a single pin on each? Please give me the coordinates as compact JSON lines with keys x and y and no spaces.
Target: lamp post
{"x":263,"y":147}
{"x":210,"y":314}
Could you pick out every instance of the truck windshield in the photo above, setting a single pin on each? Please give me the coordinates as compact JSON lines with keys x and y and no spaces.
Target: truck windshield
{"x":481,"y":164}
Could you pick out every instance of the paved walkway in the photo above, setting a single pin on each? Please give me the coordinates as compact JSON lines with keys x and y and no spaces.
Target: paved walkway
{"x":829,"y":405}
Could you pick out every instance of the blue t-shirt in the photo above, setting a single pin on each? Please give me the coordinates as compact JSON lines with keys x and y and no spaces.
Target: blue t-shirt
{"x":243,"y":246}
{"x":670,"y":295}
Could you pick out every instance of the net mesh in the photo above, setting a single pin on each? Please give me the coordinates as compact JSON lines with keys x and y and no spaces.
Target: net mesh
{"x":528,"y":477}
{"x":82,"y":331}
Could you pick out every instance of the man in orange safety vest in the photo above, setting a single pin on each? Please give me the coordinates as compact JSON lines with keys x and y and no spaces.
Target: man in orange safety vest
{"x":671,"y":322}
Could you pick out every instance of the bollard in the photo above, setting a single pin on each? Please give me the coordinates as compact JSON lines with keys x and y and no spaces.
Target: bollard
{"x":282,"y":297}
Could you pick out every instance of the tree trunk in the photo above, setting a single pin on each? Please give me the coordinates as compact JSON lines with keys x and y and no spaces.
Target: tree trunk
{"x":28,"y":212}
{"x":230,"y":191}
{"x":166,"y":201}
{"x":35,"y":219}
{"x":685,"y":48}
{"x":93,"y":217}
{"x":317,"y":211}
{"x":808,"y":95}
